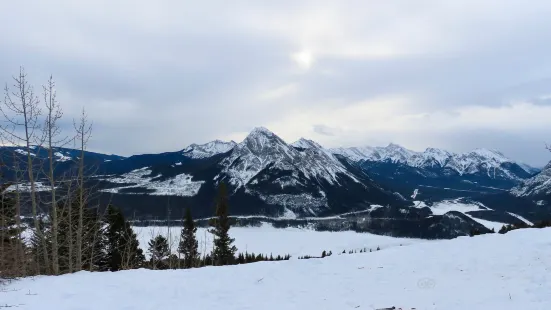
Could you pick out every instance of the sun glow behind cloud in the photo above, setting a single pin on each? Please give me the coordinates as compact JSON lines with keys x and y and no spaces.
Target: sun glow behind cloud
{"x":455,"y":75}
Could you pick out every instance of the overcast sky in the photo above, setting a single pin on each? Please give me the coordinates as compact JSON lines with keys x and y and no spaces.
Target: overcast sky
{"x":158,"y":75}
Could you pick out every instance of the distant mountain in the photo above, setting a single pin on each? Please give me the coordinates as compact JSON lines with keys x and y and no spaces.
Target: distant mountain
{"x":480,"y":161}
{"x":208,"y":149}
{"x":390,"y":190}
{"x":438,"y":174}
{"x":264,"y":174}
{"x":66,"y":160}
{"x":537,"y":188}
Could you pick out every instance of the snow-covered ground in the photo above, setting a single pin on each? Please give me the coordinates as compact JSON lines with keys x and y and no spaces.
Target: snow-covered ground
{"x":445,"y":206}
{"x":505,"y":272}
{"x":267,"y":239}
{"x":442,"y":207}
{"x":180,"y":185}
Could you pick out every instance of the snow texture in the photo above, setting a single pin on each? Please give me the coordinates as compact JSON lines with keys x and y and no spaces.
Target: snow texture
{"x":22,"y":152}
{"x":208,"y":149}
{"x":266,"y":239}
{"x":180,"y":185}
{"x":494,"y":271}
{"x":262,"y":148}
{"x":61,"y":157}
{"x":477,"y":161}
{"x":540,"y":184}
{"x":26,"y":187}
{"x":445,"y":206}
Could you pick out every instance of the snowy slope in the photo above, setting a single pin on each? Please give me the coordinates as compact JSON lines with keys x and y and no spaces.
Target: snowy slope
{"x":262,"y":148}
{"x":266,"y":239}
{"x":506,"y":272}
{"x":483,"y":161}
{"x":296,"y":177}
{"x":179,"y":185}
{"x":537,"y":186}
{"x":208,"y":149}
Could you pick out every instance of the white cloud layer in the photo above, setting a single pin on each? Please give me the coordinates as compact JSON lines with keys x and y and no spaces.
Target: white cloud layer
{"x":158,"y":75}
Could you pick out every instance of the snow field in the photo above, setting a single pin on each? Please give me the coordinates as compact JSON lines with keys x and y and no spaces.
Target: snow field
{"x":267,"y":239}
{"x":506,"y":272}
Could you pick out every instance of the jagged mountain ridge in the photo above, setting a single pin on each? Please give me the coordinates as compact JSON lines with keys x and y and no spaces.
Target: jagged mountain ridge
{"x":268,"y":177}
{"x":479,"y":161}
{"x":208,"y":149}
{"x":537,"y":188}
{"x":303,"y":165}
{"x":272,"y":176}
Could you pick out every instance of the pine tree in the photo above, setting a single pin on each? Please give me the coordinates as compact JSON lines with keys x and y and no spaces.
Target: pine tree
{"x":159,"y":250}
{"x":122,"y":246}
{"x":323,"y":254}
{"x":224,"y":251}
{"x":189,"y":245}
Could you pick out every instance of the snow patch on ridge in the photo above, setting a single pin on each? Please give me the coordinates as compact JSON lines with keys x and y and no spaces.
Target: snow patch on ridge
{"x":477,"y":161}
{"x":180,"y":185}
{"x":209,"y":149}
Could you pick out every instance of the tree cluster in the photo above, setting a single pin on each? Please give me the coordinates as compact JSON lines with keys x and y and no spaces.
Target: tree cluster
{"x":61,"y":232}
{"x":223,"y":252}
{"x":507,"y":228}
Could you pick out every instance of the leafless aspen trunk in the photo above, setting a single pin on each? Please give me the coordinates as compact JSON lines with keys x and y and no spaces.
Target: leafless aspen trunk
{"x":54,"y":113}
{"x":70,"y":246}
{"x":21,"y":111}
{"x":84,"y":131}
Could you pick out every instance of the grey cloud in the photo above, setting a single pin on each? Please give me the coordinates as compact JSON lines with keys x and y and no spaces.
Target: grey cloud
{"x":164,"y":75}
{"x":325,"y":130}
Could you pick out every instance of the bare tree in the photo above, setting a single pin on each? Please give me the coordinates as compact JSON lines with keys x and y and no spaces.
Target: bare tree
{"x":21,"y":112}
{"x":52,"y":132}
{"x":84,"y":131}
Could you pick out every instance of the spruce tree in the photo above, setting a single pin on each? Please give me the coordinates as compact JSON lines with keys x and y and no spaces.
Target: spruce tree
{"x":159,"y":250}
{"x":189,"y":245}
{"x":122,"y":247}
{"x":224,"y":250}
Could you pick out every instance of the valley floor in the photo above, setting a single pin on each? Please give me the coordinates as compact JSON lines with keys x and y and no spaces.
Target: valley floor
{"x":279,"y":241}
{"x":511,"y":271}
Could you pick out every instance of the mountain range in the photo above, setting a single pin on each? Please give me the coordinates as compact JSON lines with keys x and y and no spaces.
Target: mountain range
{"x":393,"y":186}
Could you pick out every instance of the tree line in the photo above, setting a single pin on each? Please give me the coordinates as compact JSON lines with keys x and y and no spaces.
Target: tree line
{"x":64,"y":233}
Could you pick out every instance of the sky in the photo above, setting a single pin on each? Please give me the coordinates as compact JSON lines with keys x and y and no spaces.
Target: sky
{"x":156,"y":76}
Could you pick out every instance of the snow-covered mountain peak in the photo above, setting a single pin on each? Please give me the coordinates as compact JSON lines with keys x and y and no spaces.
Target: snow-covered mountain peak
{"x":357,"y":153}
{"x":261,"y":131}
{"x":395,"y":153}
{"x":262,"y":151}
{"x":478,"y":161}
{"x":262,"y":140}
{"x":208,"y":149}
{"x":538,"y":185}
{"x":492,"y":155}
{"x":306,"y":144}
{"x":436,"y":151}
